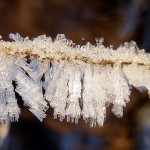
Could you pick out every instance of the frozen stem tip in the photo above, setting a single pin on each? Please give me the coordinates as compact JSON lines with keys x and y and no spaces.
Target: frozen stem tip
{"x":77,"y":81}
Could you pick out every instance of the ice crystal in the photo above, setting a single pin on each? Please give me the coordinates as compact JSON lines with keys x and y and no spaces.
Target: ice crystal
{"x":121,"y":90}
{"x":77,"y":81}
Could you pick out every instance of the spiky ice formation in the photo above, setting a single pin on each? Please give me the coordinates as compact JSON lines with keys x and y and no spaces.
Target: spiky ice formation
{"x":77,"y":81}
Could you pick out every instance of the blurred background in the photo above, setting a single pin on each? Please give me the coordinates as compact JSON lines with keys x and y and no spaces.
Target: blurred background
{"x":117,"y":21}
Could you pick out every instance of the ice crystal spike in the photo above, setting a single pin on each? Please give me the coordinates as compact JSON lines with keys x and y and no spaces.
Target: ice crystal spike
{"x":88,"y":99}
{"x":74,"y":92}
{"x":16,"y":37}
{"x":121,"y":89}
{"x":77,"y":81}
{"x":8,"y":103}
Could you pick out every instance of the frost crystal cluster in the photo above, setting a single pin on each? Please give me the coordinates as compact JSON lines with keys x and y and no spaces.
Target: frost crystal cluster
{"x":77,"y":81}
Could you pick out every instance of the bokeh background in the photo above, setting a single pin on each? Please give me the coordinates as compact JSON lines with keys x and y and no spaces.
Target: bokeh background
{"x":81,"y":21}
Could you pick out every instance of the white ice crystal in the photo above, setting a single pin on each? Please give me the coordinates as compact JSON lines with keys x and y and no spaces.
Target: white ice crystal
{"x":77,"y":81}
{"x":73,"y":109}
{"x":121,"y":90}
{"x":8,"y":102}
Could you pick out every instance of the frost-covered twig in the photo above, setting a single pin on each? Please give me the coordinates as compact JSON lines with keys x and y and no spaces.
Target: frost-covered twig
{"x":77,"y":81}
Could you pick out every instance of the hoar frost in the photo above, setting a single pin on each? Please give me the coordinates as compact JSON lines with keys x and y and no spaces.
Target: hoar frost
{"x":77,"y":81}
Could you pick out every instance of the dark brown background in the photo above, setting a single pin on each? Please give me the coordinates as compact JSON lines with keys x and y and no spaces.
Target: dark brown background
{"x":115,"y":20}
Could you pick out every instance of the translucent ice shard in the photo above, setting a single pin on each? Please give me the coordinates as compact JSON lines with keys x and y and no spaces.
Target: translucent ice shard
{"x":31,"y":93}
{"x":100,"y":94}
{"x":88,"y":111}
{"x":73,"y":109}
{"x":140,"y":76}
{"x":57,"y":90}
{"x":8,"y":102}
{"x":121,"y":89}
